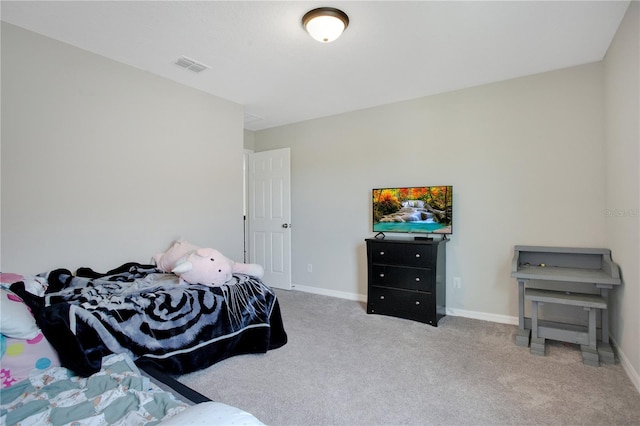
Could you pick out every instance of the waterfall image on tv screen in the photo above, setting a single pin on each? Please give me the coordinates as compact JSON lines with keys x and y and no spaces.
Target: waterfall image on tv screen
{"x":415,"y":209}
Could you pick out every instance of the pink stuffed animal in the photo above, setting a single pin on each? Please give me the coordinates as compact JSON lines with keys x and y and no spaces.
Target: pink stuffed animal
{"x":178,"y":249}
{"x":210,"y":267}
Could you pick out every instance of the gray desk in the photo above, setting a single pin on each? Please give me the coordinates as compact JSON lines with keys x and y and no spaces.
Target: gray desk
{"x":589,"y":267}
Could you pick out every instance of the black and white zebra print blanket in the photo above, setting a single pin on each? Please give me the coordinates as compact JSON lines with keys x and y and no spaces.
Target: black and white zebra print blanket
{"x":139,"y":310}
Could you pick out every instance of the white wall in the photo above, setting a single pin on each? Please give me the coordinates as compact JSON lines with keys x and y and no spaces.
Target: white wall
{"x":622,"y":150}
{"x":249,"y":140}
{"x":524,"y":157}
{"x":103,"y":163}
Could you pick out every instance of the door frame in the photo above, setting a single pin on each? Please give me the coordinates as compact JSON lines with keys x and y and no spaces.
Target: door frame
{"x":245,"y":205}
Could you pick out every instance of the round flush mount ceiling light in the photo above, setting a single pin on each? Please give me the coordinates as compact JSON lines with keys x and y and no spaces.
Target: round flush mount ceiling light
{"x":325,"y":24}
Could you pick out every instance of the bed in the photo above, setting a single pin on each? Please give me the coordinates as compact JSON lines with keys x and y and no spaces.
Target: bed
{"x":76,"y":326}
{"x":117,"y":394}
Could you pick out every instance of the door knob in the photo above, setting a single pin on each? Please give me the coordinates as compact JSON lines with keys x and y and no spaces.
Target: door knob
{"x":286,"y":225}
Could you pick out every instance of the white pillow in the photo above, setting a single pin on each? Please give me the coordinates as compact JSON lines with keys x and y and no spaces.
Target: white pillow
{"x":212,"y":413}
{"x":15,"y":318}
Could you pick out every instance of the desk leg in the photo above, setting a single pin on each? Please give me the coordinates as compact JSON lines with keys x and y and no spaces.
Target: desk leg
{"x":521,"y":304}
{"x":605,"y":351}
{"x":523,"y":335}
{"x":604,"y":316}
{"x":537,"y":342}
{"x":534,"y":319}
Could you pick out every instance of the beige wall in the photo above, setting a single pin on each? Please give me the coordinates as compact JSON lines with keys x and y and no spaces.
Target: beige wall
{"x":524,"y":157}
{"x":622,"y":153}
{"x":103,"y":163}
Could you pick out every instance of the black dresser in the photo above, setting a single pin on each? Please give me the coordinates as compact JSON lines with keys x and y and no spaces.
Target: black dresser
{"x":407,"y":279}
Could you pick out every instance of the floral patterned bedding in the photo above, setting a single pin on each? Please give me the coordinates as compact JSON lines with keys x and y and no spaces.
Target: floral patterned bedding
{"x":116,"y":395}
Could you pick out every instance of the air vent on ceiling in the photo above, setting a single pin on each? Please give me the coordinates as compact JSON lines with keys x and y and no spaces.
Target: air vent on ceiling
{"x":190,"y":64}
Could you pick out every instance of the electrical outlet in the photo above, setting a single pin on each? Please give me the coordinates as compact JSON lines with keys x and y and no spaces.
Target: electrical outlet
{"x":456,"y":282}
{"x":309,"y":267}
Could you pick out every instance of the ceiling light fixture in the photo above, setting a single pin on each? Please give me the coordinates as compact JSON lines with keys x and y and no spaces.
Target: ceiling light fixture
{"x":325,"y":24}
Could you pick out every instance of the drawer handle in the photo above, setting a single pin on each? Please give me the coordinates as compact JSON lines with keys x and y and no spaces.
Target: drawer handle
{"x":381,"y":253}
{"x":417,"y":279}
{"x":381,"y":297}
{"x":417,"y":302}
{"x":381,"y":275}
{"x":417,"y":254}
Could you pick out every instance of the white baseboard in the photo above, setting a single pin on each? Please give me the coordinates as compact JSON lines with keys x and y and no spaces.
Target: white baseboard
{"x":626,"y":365}
{"x":502,"y":319}
{"x":333,"y":293}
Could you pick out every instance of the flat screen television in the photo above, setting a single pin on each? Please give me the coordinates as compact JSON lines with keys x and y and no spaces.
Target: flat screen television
{"x":414,"y":209}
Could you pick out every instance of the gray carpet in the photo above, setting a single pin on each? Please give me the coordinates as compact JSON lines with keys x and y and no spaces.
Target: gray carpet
{"x":344,"y":367}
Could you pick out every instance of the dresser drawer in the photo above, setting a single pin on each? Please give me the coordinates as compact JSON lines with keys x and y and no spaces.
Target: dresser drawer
{"x":420,"y":279}
{"x":415,"y":255}
{"x":403,"y":304}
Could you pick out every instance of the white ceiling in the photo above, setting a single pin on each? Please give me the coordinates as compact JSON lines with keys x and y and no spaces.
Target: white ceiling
{"x":260,"y":56}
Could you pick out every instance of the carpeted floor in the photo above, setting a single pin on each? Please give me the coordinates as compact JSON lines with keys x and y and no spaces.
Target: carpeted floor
{"x":344,"y":367}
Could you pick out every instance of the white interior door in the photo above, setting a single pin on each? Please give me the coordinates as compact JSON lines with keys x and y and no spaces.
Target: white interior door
{"x":270,"y":215}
